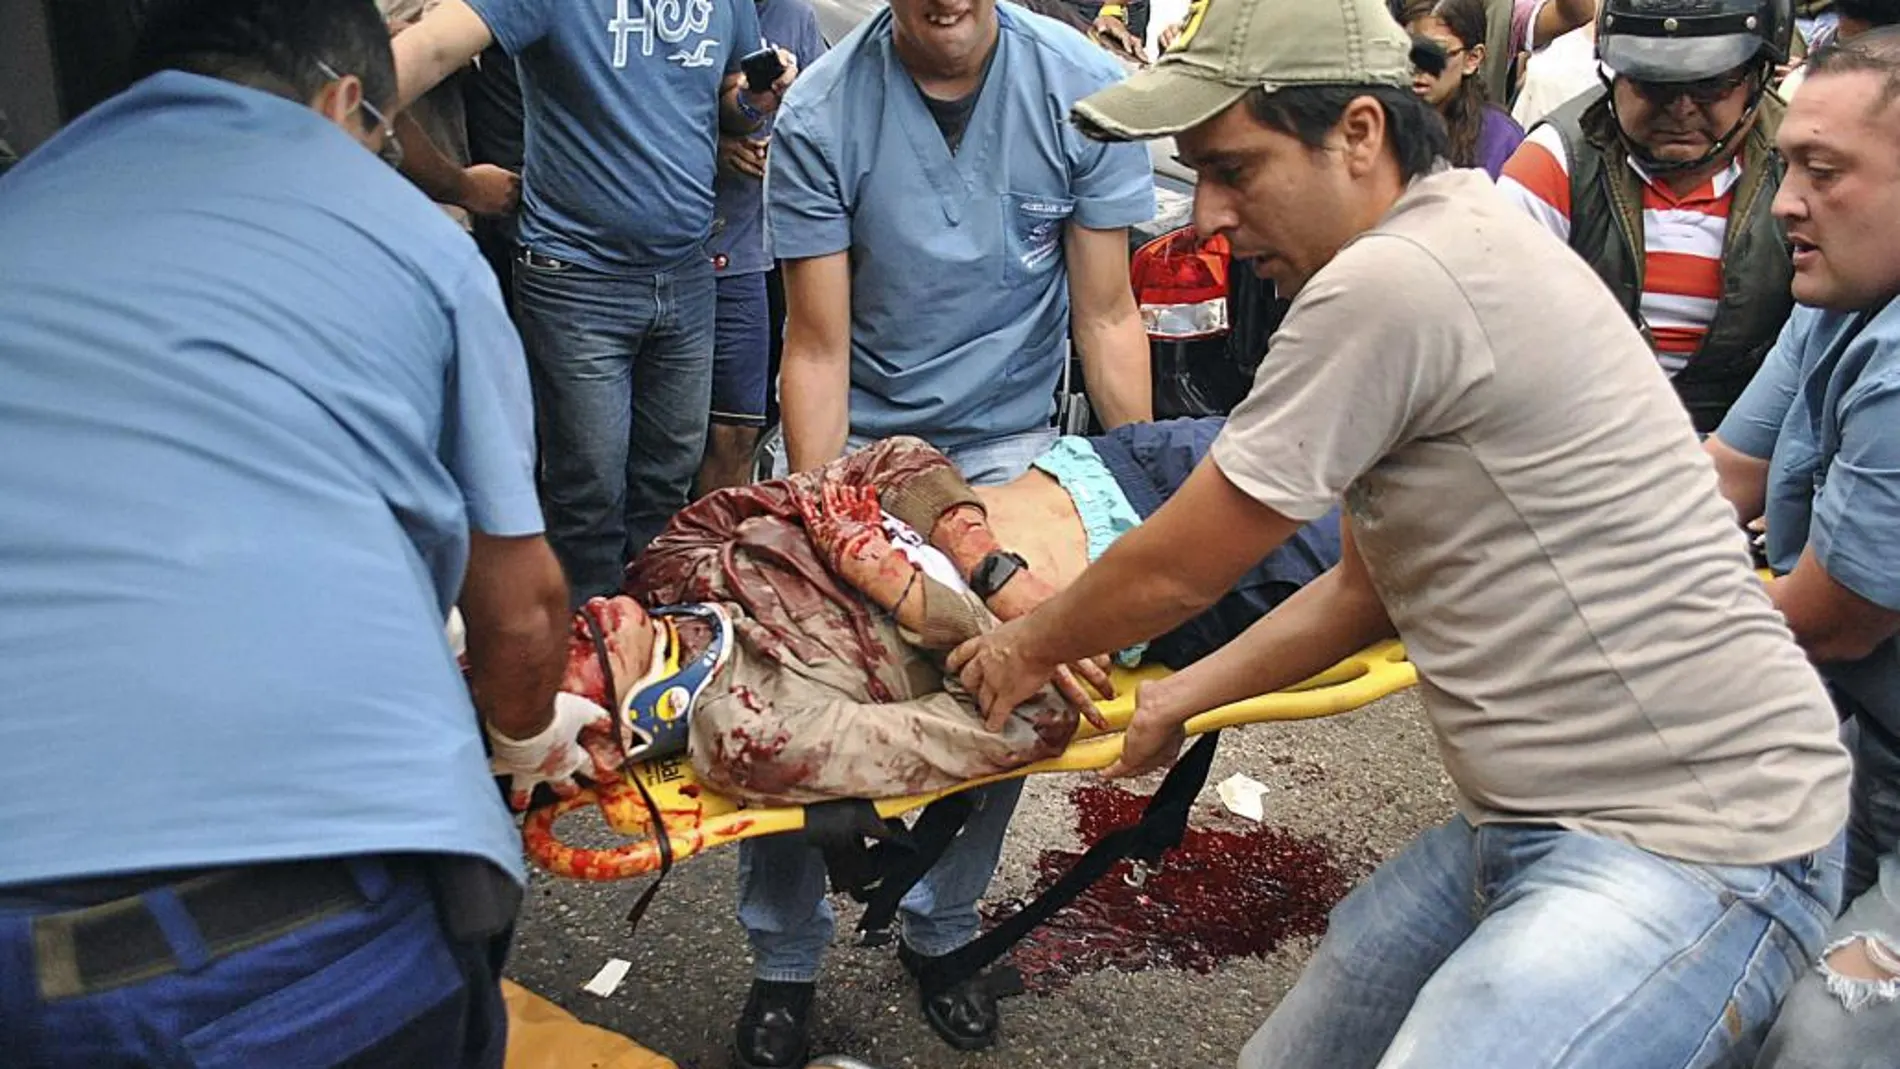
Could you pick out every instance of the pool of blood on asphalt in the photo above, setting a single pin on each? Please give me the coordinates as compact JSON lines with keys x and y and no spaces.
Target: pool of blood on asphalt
{"x":1219,"y":895}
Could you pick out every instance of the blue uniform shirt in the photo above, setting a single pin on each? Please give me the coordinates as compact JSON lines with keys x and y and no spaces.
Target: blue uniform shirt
{"x":739,"y":201}
{"x":1824,"y":410}
{"x":254,"y":391}
{"x":621,"y":99}
{"x":959,"y":292}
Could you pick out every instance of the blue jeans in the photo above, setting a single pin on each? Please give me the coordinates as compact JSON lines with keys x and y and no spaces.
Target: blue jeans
{"x":782,"y":901}
{"x":622,"y":374}
{"x":1533,"y":947}
{"x":381,"y":986}
{"x":1831,"y":1021}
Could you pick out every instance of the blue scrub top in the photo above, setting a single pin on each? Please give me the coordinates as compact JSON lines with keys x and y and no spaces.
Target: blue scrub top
{"x":254,"y":392}
{"x":959,"y":290}
{"x":1823,"y":411}
{"x":621,"y":102}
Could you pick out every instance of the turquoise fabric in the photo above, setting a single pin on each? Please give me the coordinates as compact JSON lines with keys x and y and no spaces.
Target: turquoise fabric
{"x":1105,"y":511}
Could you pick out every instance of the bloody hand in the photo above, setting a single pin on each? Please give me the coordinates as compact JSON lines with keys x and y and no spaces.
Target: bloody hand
{"x":846,"y":527}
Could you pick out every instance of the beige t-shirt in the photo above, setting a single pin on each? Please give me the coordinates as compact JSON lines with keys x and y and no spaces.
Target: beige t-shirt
{"x":1545,"y":531}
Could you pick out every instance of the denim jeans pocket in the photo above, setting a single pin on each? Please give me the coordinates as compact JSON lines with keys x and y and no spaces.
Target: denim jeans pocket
{"x":339,"y":1009}
{"x":537,"y":263}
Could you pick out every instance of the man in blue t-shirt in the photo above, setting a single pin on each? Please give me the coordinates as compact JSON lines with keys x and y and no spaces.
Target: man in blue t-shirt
{"x":1813,"y":446}
{"x":742,"y":345}
{"x":944,"y":232}
{"x":262,"y":421}
{"x":614,"y":290}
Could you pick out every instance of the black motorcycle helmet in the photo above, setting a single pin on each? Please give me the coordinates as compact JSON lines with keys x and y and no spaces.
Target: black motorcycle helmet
{"x":1689,"y":40}
{"x":1679,"y":41}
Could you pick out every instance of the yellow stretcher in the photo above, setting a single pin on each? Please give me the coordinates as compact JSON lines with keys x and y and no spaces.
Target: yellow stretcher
{"x":697,"y":819}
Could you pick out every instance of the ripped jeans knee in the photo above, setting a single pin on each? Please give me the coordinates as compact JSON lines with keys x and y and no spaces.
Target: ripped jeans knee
{"x":1862,"y":970}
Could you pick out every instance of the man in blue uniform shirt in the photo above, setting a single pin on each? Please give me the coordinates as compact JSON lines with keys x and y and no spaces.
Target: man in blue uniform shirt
{"x":1813,"y":445}
{"x":944,"y":233}
{"x":614,"y":291}
{"x":262,"y":420}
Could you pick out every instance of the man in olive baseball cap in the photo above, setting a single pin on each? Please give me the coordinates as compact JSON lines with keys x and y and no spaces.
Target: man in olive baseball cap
{"x":1650,"y":784}
{"x":1314,"y":72}
{"x":1228,"y":47}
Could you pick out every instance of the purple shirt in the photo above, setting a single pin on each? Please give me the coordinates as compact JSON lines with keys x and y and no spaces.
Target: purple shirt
{"x":1498,"y":137}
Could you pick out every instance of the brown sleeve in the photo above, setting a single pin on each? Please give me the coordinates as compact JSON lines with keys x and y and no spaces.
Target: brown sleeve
{"x":915,"y":482}
{"x":951,"y":617}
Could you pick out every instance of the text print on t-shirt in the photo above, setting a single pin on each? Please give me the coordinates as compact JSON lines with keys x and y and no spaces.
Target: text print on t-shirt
{"x":672,"y":21}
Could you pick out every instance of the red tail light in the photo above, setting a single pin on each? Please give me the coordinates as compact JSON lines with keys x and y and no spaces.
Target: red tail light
{"x":1181,"y":284}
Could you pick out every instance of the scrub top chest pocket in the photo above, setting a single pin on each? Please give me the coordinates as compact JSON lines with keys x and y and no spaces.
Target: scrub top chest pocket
{"x":1032,"y":231}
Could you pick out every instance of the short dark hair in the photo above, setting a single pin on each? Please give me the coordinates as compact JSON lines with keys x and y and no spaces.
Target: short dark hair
{"x":1309,"y":112}
{"x":279,"y":46}
{"x":1875,"y":52}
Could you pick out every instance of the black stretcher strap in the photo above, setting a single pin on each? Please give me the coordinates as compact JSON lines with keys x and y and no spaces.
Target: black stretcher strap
{"x":936,"y":828}
{"x":661,"y":835}
{"x":1160,"y":829}
{"x":854,"y":841}
{"x":877,"y":861}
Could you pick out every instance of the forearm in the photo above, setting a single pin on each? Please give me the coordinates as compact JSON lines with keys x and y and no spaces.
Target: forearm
{"x":1742,"y":479}
{"x":936,"y":616}
{"x":963,"y":534}
{"x":733,"y":118}
{"x":514,"y":601}
{"x":1130,"y":595}
{"x":1321,"y":624}
{"x":426,"y":165}
{"x":1116,"y":368}
{"x":515,"y":666}
{"x":1145,"y":585}
{"x":443,"y":42}
{"x":814,"y":403}
{"x":1832,"y":625}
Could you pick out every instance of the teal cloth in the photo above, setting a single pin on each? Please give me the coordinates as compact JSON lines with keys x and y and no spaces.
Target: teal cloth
{"x":1105,"y":511}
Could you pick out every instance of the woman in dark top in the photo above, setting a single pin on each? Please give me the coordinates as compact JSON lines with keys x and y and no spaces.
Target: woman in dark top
{"x":1482,"y":134}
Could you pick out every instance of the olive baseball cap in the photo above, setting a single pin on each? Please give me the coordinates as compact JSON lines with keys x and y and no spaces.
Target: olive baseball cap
{"x":1227,"y":47}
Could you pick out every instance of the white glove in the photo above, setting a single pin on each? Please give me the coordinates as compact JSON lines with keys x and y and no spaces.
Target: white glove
{"x":553,"y":756}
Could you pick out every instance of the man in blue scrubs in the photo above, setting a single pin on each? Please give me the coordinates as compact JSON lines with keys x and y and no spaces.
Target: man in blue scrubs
{"x":944,"y":233}
{"x":1813,"y":445}
{"x":262,"y":420}
{"x":614,"y":290}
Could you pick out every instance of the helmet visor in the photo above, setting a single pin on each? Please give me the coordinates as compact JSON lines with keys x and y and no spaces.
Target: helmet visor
{"x":1676,"y":59}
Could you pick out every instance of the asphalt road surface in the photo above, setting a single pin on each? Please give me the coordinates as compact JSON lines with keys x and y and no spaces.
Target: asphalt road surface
{"x":1175,"y":974}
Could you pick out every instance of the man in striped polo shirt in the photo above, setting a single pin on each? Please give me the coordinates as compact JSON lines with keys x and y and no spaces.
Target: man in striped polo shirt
{"x":1644,"y":176}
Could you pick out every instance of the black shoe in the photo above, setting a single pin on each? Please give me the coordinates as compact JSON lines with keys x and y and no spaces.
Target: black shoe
{"x":775,"y":1027}
{"x":964,"y":1016}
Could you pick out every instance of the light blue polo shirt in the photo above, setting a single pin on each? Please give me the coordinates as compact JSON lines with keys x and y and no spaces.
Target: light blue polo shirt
{"x":959,"y":291}
{"x":621,"y":101}
{"x":1824,"y":410}
{"x":254,"y":391}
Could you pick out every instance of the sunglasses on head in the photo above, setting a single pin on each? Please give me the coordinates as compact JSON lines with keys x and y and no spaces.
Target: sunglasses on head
{"x":1704,"y":93}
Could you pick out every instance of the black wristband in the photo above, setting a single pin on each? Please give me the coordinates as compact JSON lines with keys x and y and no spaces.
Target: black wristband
{"x":994,"y":570}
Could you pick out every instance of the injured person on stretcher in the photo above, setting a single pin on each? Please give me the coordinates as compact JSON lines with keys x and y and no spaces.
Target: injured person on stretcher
{"x":798,"y":627}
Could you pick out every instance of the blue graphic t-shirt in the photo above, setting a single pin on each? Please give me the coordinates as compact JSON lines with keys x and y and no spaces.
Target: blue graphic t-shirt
{"x":622,"y":106}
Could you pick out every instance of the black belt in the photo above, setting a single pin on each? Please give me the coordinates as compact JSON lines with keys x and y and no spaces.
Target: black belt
{"x":83,"y":951}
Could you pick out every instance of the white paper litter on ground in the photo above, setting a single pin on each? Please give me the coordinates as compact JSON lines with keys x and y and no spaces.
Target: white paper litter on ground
{"x":608,"y":979}
{"x":1244,"y":795}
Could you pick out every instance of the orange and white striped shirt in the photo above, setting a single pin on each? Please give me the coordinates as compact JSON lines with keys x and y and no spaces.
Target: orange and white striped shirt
{"x":1682,"y":239}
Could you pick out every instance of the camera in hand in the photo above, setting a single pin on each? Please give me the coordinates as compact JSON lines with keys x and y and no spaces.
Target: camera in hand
{"x":762,"y":68}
